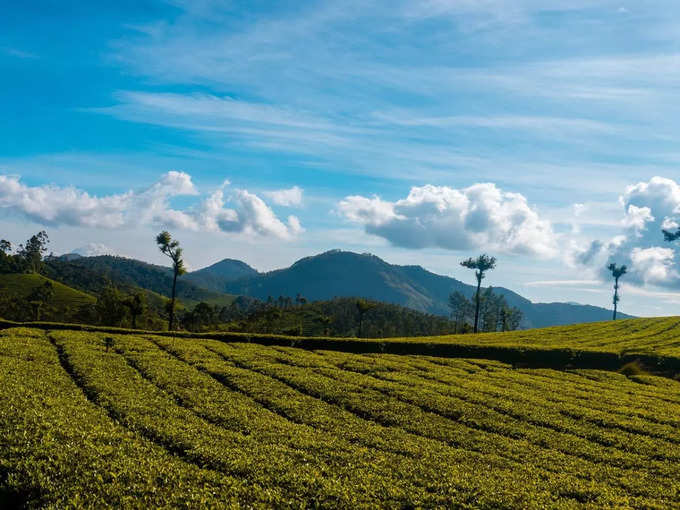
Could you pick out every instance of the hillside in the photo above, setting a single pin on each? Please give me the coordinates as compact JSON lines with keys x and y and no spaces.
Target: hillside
{"x":198,"y":422}
{"x":63,"y":306}
{"x":217,"y":276}
{"x":132,"y":273}
{"x":339,"y":273}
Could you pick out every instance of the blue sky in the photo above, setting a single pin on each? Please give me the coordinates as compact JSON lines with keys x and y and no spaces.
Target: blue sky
{"x":424,"y":132}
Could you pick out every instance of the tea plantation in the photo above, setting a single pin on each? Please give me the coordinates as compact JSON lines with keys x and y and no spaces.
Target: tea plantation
{"x":99,"y":419}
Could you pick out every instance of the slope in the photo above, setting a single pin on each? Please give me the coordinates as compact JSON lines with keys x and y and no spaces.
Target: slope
{"x":63,"y":306}
{"x":130,"y":272}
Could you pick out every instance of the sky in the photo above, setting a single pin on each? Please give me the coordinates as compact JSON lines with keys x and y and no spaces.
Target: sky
{"x":543,"y":133}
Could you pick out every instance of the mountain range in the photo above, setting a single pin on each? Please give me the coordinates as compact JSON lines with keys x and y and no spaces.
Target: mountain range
{"x":339,"y":273}
{"x":325,"y":276}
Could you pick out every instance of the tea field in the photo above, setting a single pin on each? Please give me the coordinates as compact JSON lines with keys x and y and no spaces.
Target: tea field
{"x":97,"y":419}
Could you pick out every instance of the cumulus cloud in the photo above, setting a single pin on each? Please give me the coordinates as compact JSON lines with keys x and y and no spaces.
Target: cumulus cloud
{"x":291,"y":197}
{"x":647,"y":208}
{"x":51,"y":205}
{"x":480,"y":216}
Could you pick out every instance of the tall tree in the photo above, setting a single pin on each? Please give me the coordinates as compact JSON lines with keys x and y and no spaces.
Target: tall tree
{"x":481,"y":265}
{"x":617,"y":272}
{"x":137,"y":306}
{"x":363,"y":306}
{"x":171,"y":248}
{"x":32,"y":252}
{"x":461,"y":310}
{"x":6,"y":260}
{"x":110,"y":307}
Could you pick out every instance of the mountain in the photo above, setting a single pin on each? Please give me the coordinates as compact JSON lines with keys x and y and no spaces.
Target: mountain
{"x":340,"y":274}
{"x":94,"y":271}
{"x":217,"y":276}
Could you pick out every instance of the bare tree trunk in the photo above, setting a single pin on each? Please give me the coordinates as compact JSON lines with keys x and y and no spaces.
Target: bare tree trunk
{"x":616,"y":296}
{"x":172,"y":303}
{"x":479,"y":284}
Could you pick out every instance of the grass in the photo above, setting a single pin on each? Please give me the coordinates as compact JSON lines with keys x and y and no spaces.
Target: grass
{"x":153,"y":420}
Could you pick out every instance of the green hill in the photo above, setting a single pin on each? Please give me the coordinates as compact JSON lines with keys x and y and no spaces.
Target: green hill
{"x":98,"y":419}
{"x":63,"y":306}
{"x":130,"y":273}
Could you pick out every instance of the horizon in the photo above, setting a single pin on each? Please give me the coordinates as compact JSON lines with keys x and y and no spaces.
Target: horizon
{"x":423,"y":134}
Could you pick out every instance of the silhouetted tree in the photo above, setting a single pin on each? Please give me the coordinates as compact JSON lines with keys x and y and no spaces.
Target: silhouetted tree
{"x":461,"y":310}
{"x":110,"y":306}
{"x":363,"y":306}
{"x":617,"y":272}
{"x":510,"y":318}
{"x":481,"y":264}
{"x":137,"y":306}
{"x":7,"y":262}
{"x":171,"y":248}
{"x":31,"y":254}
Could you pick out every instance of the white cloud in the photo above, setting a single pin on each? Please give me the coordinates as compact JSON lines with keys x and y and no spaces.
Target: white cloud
{"x":55,"y":206}
{"x":637,"y":217}
{"x":648,"y":207}
{"x":291,"y":197}
{"x":480,"y":216}
{"x":655,"y":265}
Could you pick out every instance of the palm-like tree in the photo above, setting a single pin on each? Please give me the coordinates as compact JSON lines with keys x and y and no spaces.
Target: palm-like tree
{"x":617,"y":272}
{"x":481,"y":264}
{"x":171,"y":248}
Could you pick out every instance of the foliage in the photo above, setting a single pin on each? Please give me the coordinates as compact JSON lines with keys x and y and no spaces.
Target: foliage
{"x":633,"y":368}
{"x":110,"y":307}
{"x":481,"y":265}
{"x":163,"y":422}
{"x":170,"y":247}
{"x":340,"y":317}
{"x":40,"y":297}
{"x":137,"y":306}
{"x":31,"y":253}
{"x":617,"y":272}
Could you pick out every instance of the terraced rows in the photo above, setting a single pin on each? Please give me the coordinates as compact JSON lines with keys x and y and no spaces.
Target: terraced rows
{"x":660,"y":336}
{"x":184,"y":422}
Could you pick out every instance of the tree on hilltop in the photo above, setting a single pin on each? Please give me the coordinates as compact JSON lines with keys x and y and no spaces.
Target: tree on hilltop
{"x":171,"y":249}
{"x":31,"y":254}
{"x":481,"y":264}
